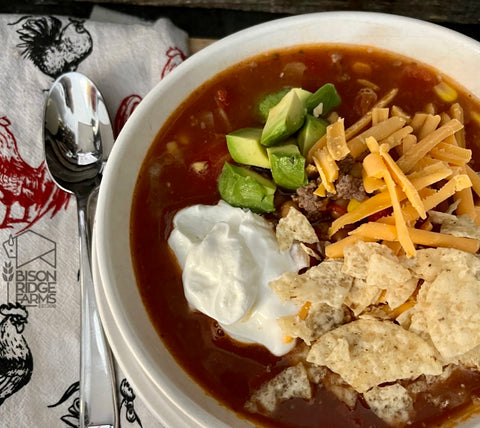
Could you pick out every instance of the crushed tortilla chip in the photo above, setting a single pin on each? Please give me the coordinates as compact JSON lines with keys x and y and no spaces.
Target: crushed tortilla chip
{"x":461,"y":226}
{"x":366,"y":353}
{"x":391,"y":403}
{"x":452,"y":313}
{"x":356,"y":257}
{"x":320,"y":319}
{"x":470,"y":360}
{"x":342,"y":390}
{"x":430,"y":262}
{"x":380,"y":268}
{"x":292,"y":382}
{"x":323,"y":283}
{"x":316,"y":373}
{"x":294,"y":227}
{"x":389,"y":274}
{"x":361,"y":296}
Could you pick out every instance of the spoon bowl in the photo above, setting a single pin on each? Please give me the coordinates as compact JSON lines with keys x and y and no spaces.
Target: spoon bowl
{"x":77,"y":135}
{"x":77,"y":128}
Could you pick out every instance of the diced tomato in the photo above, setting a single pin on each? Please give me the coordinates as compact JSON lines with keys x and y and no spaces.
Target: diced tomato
{"x":384,"y":213}
{"x":336,"y":210}
{"x":221,"y":98}
{"x":415,"y":72}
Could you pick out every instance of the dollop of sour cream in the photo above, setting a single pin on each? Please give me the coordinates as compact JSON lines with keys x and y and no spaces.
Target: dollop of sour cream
{"x":229,"y":256}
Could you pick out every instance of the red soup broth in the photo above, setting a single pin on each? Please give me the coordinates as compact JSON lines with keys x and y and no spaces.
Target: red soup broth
{"x":182,"y":168}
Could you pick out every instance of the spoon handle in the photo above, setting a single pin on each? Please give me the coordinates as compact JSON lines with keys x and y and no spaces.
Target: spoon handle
{"x":98,"y":402}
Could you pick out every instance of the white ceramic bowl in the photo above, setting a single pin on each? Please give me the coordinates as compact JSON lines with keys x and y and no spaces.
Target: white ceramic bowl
{"x":162,"y":384}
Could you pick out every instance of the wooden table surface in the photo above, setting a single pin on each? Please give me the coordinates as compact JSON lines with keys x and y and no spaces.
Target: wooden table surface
{"x":218,"y":18}
{"x":460,"y":11}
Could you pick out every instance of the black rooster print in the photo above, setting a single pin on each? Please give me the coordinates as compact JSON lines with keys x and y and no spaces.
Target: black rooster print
{"x":52,"y":48}
{"x":16,"y":362}
{"x":71,"y":419}
{"x":128,"y":398}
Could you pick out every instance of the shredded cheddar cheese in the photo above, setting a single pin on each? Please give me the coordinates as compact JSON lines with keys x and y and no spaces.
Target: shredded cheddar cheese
{"x":336,"y":141}
{"x":405,"y":158}
{"x":474,"y":178}
{"x":404,"y":183}
{"x":409,"y":159}
{"x":303,"y":312}
{"x":327,"y":168}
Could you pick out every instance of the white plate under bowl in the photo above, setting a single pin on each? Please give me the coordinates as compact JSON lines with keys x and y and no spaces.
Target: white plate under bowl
{"x":157,"y":403}
{"x":452,"y":53}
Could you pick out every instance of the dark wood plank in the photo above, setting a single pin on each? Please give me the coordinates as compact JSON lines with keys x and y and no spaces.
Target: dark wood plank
{"x":463,"y":12}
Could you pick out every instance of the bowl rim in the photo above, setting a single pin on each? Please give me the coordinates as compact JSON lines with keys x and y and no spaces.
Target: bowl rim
{"x":123,"y":156}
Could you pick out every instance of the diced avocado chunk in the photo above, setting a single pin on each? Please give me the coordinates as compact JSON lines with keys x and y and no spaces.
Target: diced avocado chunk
{"x":269,"y":101}
{"x":284,"y":119}
{"x":243,"y":188}
{"x":312,"y":130}
{"x":324,"y":99}
{"x":244,"y":147}
{"x":288,"y":165}
{"x":303,"y":94}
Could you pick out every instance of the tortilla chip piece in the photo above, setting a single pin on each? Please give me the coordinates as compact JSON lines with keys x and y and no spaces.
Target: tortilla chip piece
{"x":426,"y":383}
{"x":462,"y":226}
{"x":323,"y":283}
{"x":452,"y":313}
{"x":342,"y":390}
{"x":294,"y":227}
{"x":430,"y":262}
{"x":316,"y":373}
{"x":309,"y":251}
{"x":301,"y":255}
{"x":417,"y":319}
{"x":380,"y":268}
{"x":290,"y":383}
{"x":389,"y":274}
{"x":320,"y":319}
{"x":361,"y":296}
{"x":470,"y":360}
{"x":391,"y":403}
{"x":366,"y":353}
{"x":356,"y":257}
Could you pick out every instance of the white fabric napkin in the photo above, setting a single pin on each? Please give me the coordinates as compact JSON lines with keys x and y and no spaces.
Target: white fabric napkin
{"x":39,"y":263}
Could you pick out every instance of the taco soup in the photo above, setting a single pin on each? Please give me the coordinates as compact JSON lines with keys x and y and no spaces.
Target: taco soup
{"x":305,"y":235}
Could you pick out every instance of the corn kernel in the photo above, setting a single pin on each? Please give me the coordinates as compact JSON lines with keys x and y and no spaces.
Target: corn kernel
{"x":362,"y":68}
{"x":288,"y":339}
{"x":199,"y":167}
{"x":445,"y":92}
{"x":352,"y":205}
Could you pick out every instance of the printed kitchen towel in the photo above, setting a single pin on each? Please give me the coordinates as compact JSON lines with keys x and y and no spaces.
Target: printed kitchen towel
{"x":39,"y":263}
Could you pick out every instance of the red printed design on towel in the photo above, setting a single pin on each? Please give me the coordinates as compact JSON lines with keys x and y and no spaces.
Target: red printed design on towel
{"x":26,"y":193}
{"x":175,"y":57}
{"x":127,"y":106}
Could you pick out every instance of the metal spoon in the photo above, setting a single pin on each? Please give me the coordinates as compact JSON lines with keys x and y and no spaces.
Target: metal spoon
{"x":77,"y":133}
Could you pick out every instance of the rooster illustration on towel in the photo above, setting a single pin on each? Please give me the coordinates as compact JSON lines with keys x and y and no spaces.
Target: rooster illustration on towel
{"x":26,"y":193}
{"x":16,"y":362}
{"x":53,"y":48}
